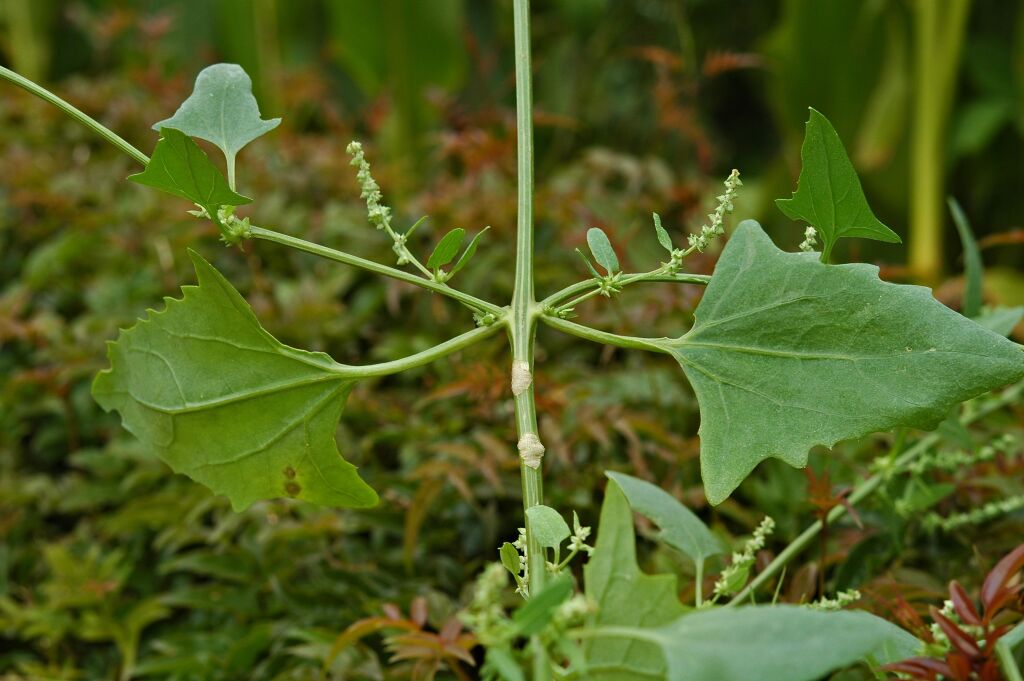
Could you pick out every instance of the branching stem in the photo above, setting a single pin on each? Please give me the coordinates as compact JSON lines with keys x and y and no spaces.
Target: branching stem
{"x":591,"y":287}
{"x":425,"y":357}
{"x":355,"y":261}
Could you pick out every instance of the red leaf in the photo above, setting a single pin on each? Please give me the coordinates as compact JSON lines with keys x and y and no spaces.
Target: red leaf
{"x":961,"y":641}
{"x":1000,"y":576}
{"x":963,"y":604}
{"x":924,"y":668}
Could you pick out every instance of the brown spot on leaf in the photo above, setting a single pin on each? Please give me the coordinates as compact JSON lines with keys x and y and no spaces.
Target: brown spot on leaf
{"x":289,"y":473}
{"x":292,"y":488}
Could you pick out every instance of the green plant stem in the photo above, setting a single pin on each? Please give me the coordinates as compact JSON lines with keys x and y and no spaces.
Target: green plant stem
{"x":1004,"y":653}
{"x":523,"y":315}
{"x":658,"y":275}
{"x":355,"y":261}
{"x":939,"y":29}
{"x":425,"y":357}
{"x":91,"y":123}
{"x":866,"y":489}
{"x":585,"y":332}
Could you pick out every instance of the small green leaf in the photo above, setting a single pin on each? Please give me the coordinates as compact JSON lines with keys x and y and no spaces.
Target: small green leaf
{"x":973,"y":267}
{"x":510,"y":558}
{"x":680,"y":528}
{"x":626,"y":597}
{"x":222,"y":110}
{"x":470,"y":251}
{"x":602,"y":249}
{"x":502,"y":662}
{"x":775,"y":643}
{"x":415,"y":225}
{"x":534,"y":615}
{"x":590,"y":266}
{"x":828,"y":195}
{"x":663,"y":238}
{"x":547,"y":525}
{"x":446,"y":249}
{"x":810,"y":354}
{"x":219,"y":399}
{"x":1001,"y":320}
{"x":181,"y":168}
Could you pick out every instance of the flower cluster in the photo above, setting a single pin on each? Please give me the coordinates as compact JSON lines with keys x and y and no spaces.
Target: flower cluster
{"x":810,"y":239}
{"x":716,"y":220}
{"x":981,"y":514}
{"x":377,"y":212}
{"x":842,"y":599}
{"x":734,"y":577}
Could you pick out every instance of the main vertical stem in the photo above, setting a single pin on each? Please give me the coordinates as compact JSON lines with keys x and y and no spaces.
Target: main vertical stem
{"x":523,"y":323}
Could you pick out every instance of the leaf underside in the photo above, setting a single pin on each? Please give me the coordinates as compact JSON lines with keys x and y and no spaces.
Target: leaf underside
{"x":181,"y":168}
{"x":776,"y":643}
{"x":221,"y":110}
{"x":626,"y":596}
{"x":787,"y":353}
{"x":219,"y":399}
{"x":828,"y":195}
{"x":680,"y":527}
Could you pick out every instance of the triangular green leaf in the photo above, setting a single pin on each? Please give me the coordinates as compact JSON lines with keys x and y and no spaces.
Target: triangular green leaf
{"x":602,"y":249}
{"x":828,"y":194}
{"x":181,"y":168}
{"x":222,"y":110}
{"x":776,"y":643}
{"x":205,"y":387}
{"x":447,"y":248}
{"x":787,"y":353}
{"x":625,"y":597}
{"x":680,"y":527}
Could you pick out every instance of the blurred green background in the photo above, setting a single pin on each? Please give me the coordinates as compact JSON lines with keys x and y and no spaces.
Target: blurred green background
{"x":112,"y":568}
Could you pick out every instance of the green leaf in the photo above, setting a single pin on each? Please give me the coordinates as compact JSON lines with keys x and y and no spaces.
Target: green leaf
{"x":547,"y":525}
{"x":775,"y":643}
{"x":502,"y":662}
{"x":534,"y":614}
{"x":1001,"y":320}
{"x":625,"y":596}
{"x":590,"y":266}
{"x":602,"y":249}
{"x":446,"y":249}
{"x":181,"y":168}
{"x":973,"y":267}
{"x":510,"y":558}
{"x":470,"y":251}
{"x":828,"y":194}
{"x":663,"y":238}
{"x":222,"y":110}
{"x":680,"y":528}
{"x":219,"y":399}
{"x":787,"y":353}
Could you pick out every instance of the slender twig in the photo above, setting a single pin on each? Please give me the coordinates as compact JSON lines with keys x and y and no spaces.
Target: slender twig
{"x":377,"y":268}
{"x":659,"y":275}
{"x":866,"y":489}
{"x":89,"y":122}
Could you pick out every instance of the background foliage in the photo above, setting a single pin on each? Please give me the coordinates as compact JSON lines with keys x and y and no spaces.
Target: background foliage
{"x":110,"y":567}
